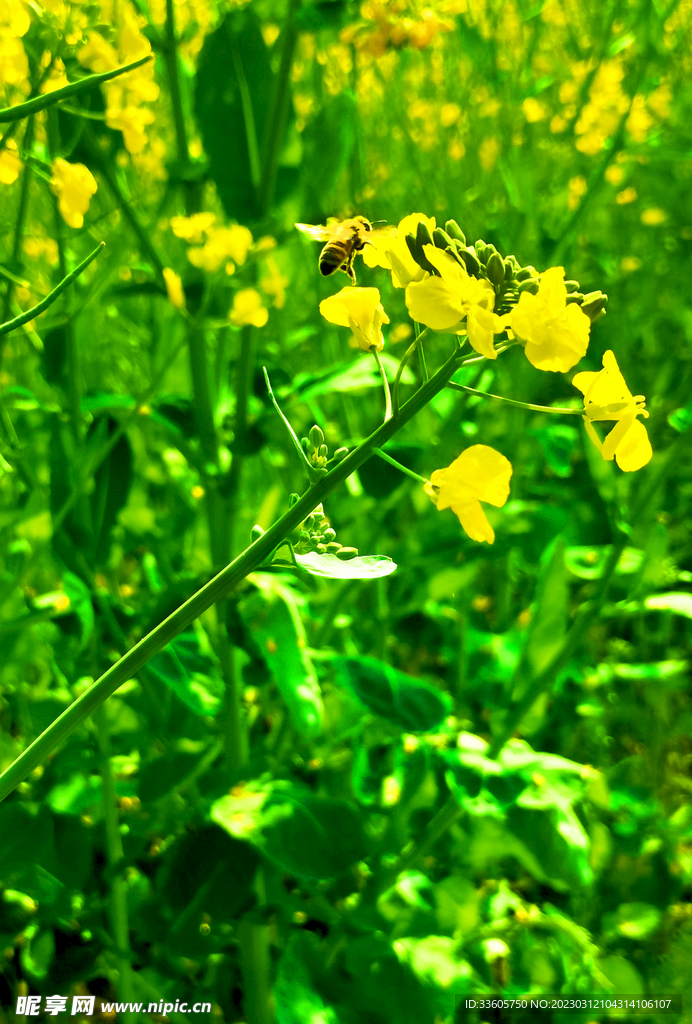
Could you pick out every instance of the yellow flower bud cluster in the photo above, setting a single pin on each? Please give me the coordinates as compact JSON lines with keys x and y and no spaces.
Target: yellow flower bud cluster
{"x":394,"y":25}
{"x":317,"y":534}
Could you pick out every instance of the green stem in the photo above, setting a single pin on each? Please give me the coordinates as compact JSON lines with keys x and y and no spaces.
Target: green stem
{"x":170,"y":54}
{"x":255,"y":961}
{"x":397,"y":465}
{"x":30,"y":314}
{"x":217,"y":588}
{"x":511,"y":401}
{"x":22,"y":209}
{"x":141,"y":233}
{"x":33,"y":106}
{"x":407,"y":355}
{"x":278,"y":112}
{"x":385,"y":384}
{"x":248,"y":119}
{"x":292,"y":434}
{"x":114,"y":851}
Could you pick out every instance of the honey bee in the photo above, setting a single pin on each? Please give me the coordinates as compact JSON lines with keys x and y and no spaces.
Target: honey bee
{"x":344,"y":239}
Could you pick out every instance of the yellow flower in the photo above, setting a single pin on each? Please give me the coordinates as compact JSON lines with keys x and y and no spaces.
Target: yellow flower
{"x":222,"y":244}
{"x":14,"y":64}
{"x":74,"y":185}
{"x":607,"y":397}
{"x":479,"y":474}
{"x":455,"y":302}
{"x":361,"y":310}
{"x":193,"y":228}
{"x":131,"y":122}
{"x":248,"y":309}
{"x":97,"y":54}
{"x":556,"y":335}
{"x":10,"y":164}
{"x":174,"y":287}
{"x":389,"y":250}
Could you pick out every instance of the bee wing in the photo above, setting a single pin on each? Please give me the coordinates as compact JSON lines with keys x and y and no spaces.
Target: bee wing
{"x":318,"y":232}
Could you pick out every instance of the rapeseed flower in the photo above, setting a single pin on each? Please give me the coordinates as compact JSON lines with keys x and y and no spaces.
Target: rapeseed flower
{"x":390,"y":251}
{"x":479,"y":474}
{"x":455,"y":302}
{"x":248,"y":309}
{"x":174,"y":288}
{"x":223,"y":245}
{"x":361,"y":310}
{"x":74,"y":185}
{"x":607,"y":397}
{"x":10,"y":164}
{"x":555,"y":335}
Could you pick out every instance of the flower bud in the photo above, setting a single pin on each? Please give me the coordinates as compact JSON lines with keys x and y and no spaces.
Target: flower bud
{"x":340,"y":454}
{"x":423,"y":236}
{"x":472,"y":264}
{"x":441,"y":239}
{"x":333,"y":547}
{"x":256,"y":532}
{"x":481,"y":250}
{"x":571,"y":286}
{"x":575,"y":297}
{"x":496,"y":268}
{"x":510,"y":269}
{"x":594,"y":305}
{"x":330,"y":535}
{"x":321,"y":549}
{"x":530,"y":285}
{"x":346,"y":554}
{"x":316,"y":436}
{"x":524,"y":273}
{"x":454,"y":231}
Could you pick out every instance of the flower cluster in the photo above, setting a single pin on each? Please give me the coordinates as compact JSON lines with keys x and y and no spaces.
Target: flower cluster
{"x":14,"y":65}
{"x":473,"y":292}
{"x":74,"y":185}
{"x":394,"y":25}
{"x":126,"y":95}
{"x":213,"y":246}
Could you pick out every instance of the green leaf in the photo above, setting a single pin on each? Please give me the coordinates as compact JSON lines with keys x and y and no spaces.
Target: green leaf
{"x":75,"y":795}
{"x":558,"y":441}
{"x":271,"y":614}
{"x":329,"y":140}
{"x":622,"y":975}
{"x":191,"y":674}
{"x":363,"y":567}
{"x":680,"y":603}
{"x":297,"y":1001}
{"x":80,"y":604}
{"x":313,"y":837}
{"x":408,"y":703}
{"x":633,"y":920}
{"x":27,"y":838}
{"x":233,"y":91}
{"x":588,"y":563}
{"x":36,"y":956}
{"x":434,"y":960}
{"x":362,"y":373}
{"x":112,"y":478}
{"x":549,"y":620}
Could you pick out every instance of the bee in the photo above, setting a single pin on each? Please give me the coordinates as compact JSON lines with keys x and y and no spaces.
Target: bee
{"x":344,"y":239}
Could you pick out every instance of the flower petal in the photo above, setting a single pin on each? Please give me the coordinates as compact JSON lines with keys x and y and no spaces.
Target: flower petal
{"x":435,"y":303}
{"x":634,"y":451}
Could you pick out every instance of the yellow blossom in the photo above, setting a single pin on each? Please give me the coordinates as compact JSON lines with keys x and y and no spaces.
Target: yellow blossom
{"x":10,"y":164}
{"x":577,"y":188}
{"x":556,"y":335}
{"x":248,"y":309}
{"x":653,"y":216}
{"x":97,"y":54}
{"x":14,"y":18}
{"x":361,"y":310}
{"x":174,"y":287}
{"x":74,"y":185}
{"x":273,"y":282}
{"x":628,"y":195}
{"x":14,"y":65}
{"x":222,"y":244}
{"x":479,"y":474}
{"x":131,"y":122}
{"x":607,"y":397}
{"x":488,"y":153}
{"x":57,"y":78}
{"x":455,"y":302}
{"x":533,"y":110}
{"x":389,"y":250}
{"x":614,"y":174}
{"x":193,"y":228}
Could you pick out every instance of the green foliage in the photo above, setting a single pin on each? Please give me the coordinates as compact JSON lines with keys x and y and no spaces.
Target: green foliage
{"x":341,"y":790}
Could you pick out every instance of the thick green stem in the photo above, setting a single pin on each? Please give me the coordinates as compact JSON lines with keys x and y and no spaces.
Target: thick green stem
{"x":278,"y":112}
{"x":22,"y":209}
{"x":170,"y":54}
{"x":255,"y":960}
{"x":114,"y":851}
{"x":385,"y":383}
{"x":217,"y":588}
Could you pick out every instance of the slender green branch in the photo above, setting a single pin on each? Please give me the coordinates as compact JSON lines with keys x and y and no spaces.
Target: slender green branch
{"x":22,"y":209}
{"x":397,"y":465}
{"x":402,"y":365}
{"x":114,"y":851}
{"x":30,"y":314}
{"x":385,"y":384}
{"x":248,"y":119}
{"x":217,"y":588}
{"x":278,"y":111}
{"x":511,"y":401}
{"x":170,"y":53}
{"x":33,"y":106}
{"x":296,"y":443}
